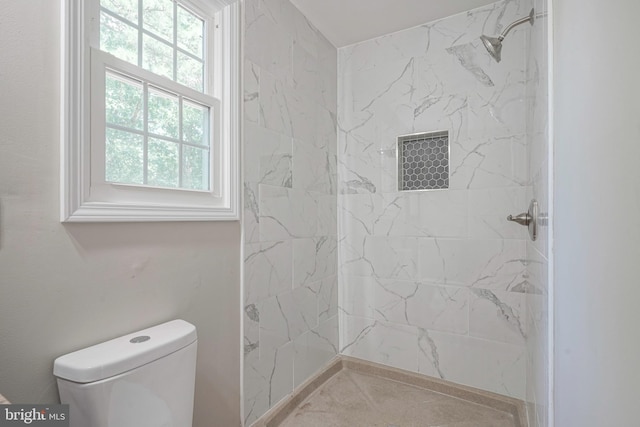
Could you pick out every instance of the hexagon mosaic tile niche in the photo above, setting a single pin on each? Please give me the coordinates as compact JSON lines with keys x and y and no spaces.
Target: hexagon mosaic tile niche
{"x":423,"y":161}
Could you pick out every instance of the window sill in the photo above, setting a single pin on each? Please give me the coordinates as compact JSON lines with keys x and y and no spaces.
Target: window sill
{"x":107,"y":212}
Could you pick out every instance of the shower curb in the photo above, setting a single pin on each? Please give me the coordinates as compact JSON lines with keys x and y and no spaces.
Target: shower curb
{"x":276,"y":415}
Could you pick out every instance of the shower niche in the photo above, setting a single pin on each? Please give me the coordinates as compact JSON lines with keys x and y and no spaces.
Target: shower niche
{"x":423,"y":161}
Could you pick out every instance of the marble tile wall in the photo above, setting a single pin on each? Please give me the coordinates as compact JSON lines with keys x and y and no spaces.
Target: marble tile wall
{"x":538,"y":252}
{"x":437,"y":282}
{"x":290,"y":203}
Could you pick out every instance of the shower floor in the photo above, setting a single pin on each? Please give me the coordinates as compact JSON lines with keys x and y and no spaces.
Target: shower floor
{"x":354,"y":399}
{"x":355,"y":393}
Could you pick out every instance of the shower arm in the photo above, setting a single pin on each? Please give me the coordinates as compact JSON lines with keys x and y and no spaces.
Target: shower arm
{"x":530,"y":19}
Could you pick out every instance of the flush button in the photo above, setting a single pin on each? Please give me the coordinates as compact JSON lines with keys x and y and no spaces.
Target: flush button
{"x":141,"y":338}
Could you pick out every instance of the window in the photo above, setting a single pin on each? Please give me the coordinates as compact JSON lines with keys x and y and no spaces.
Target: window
{"x":150,"y":117}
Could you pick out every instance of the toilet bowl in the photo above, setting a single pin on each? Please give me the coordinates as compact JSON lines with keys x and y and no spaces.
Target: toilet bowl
{"x":143,"y":379}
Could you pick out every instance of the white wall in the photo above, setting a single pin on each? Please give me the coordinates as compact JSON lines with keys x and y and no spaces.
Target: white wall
{"x":64,"y":287}
{"x":597,"y":199}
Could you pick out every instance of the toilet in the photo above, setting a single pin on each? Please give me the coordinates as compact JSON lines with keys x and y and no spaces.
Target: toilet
{"x":143,"y":379}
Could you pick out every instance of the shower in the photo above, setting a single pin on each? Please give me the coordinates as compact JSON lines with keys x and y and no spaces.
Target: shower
{"x":494,"y":44}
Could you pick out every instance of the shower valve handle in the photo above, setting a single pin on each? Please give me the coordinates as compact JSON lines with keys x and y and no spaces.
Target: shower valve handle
{"x":528,"y":219}
{"x":522,"y":219}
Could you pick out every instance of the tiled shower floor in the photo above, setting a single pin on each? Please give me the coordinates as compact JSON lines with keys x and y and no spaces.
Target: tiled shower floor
{"x":354,"y":399}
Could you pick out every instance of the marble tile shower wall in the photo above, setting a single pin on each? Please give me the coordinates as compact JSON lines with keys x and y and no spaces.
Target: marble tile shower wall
{"x":436,"y":282}
{"x":290,"y":216}
{"x":538,"y":252}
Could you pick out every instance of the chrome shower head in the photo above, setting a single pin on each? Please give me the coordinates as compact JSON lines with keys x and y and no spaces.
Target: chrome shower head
{"x":493,"y":45}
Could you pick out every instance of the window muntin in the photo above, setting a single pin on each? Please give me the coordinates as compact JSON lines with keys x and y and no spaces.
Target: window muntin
{"x":154,"y":136}
{"x":86,"y":194}
{"x":162,"y":36}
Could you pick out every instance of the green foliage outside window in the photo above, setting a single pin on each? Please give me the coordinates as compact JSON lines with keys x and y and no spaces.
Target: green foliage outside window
{"x":164,"y":143}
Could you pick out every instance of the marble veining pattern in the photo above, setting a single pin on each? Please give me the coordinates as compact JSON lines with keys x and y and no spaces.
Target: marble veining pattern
{"x":416,"y":281}
{"x":290,"y":203}
{"x":429,"y":278}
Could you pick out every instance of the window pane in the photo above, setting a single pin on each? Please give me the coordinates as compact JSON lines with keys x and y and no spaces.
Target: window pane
{"x":157,"y":16}
{"x":123,"y":101}
{"x":163,"y":163}
{"x":124,"y":158}
{"x":157,"y":57}
{"x":190,"y":32}
{"x":118,"y":39}
{"x":195,"y":168}
{"x":190,"y":72}
{"x":195,"y":123}
{"x":163,"y":114}
{"x":128,"y":9}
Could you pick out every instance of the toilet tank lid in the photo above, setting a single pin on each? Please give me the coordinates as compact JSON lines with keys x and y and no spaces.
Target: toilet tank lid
{"x":122,"y":354}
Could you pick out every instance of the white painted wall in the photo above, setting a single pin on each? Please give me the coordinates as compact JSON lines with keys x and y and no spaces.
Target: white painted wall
{"x":597,"y":199}
{"x":64,"y":287}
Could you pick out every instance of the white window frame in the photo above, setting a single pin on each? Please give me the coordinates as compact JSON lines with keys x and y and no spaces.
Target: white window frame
{"x":87,"y":198}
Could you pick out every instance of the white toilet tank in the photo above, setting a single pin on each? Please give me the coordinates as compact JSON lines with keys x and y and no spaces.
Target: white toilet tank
{"x":143,"y":379}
